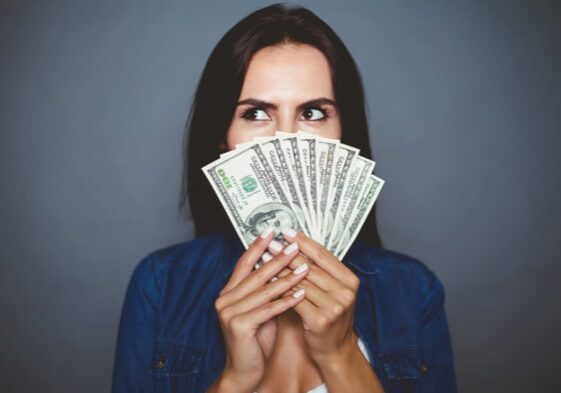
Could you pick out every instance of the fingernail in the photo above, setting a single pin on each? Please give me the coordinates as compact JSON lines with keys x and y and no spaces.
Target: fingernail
{"x":288,"y":232}
{"x":266,"y":257}
{"x":299,"y":293}
{"x":301,"y":269}
{"x":275,"y":246}
{"x":290,"y":249}
{"x":275,"y":278}
{"x":266,"y":233}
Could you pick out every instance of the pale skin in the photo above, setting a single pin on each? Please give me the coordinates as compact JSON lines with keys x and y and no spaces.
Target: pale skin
{"x":276,"y":342}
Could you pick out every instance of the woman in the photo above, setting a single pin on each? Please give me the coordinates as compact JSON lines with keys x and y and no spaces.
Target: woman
{"x":197,"y":317}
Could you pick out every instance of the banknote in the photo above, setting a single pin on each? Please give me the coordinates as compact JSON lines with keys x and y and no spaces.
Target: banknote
{"x":325,"y":155}
{"x":360,"y":170}
{"x":289,"y":142}
{"x":344,"y":158}
{"x":251,"y":195}
{"x":373,"y":186}
{"x":312,"y":184}
{"x":308,"y":153}
{"x":274,"y":153}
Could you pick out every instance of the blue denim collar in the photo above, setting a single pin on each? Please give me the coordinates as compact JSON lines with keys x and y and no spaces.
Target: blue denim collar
{"x":360,"y":257}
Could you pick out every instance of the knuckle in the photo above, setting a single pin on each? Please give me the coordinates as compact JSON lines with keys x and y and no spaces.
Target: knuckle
{"x":322,"y":322}
{"x":347,"y":296}
{"x":286,"y":301}
{"x":287,"y":278}
{"x":237,"y":325}
{"x":284,"y":272}
{"x":355,"y":282}
{"x":337,"y":309}
{"x":261,"y":274}
{"x":225,"y":315}
{"x":322,"y":254}
{"x":269,"y":291}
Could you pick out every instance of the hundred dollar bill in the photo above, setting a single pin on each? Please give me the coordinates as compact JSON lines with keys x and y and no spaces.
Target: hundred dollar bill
{"x":358,"y":175}
{"x":351,"y":231}
{"x":326,"y":186}
{"x":308,"y":153}
{"x":344,"y":157}
{"x":289,"y":143}
{"x":272,"y":149}
{"x":251,"y":195}
{"x":284,"y":172}
{"x":325,"y":148}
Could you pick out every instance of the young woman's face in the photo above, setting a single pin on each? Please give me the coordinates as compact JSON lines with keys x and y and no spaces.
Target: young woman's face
{"x":286,"y":88}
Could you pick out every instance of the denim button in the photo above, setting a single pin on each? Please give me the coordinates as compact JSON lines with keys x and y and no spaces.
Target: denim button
{"x":161,"y":363}
{"x":424,"y":368}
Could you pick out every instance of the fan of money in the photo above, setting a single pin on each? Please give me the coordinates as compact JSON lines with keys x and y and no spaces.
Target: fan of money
{"x":316,"y":185}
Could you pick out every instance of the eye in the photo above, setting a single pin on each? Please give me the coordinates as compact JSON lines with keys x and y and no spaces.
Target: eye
{"x":256,"y":114}
{"x":314,"y":114}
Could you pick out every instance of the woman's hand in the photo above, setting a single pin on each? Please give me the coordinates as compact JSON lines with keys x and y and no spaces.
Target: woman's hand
{"x":247,"y":307}
{"x":327,"y":311}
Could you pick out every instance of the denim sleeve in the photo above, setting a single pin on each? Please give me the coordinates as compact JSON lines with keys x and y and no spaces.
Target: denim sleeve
{"x":137,"y":332}
{"x":438,"y":373}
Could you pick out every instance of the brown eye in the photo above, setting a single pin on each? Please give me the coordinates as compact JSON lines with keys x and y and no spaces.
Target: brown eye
{"x":314,"y":114}
{"x":255,"y":114}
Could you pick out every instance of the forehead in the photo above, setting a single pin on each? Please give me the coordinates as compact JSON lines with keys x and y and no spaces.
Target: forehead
{"x":294,"y":72}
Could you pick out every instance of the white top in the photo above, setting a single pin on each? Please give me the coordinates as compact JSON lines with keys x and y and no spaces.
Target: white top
{"x":323,"y":387}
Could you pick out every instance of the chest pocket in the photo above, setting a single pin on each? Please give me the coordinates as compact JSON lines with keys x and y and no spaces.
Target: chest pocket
{"x":402,"y":370}
{"x":176,"y":366}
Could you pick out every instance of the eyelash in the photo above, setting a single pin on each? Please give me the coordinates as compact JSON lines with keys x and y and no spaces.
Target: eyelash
{"x":324,"y":112}
{"x":247,"y":112}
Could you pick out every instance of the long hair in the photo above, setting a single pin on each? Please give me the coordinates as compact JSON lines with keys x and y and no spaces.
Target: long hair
{"x":219,"y":89}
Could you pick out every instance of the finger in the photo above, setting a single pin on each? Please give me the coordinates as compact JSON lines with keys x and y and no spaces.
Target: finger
{"x":320,"y":255}
{"x":317,"y":296}
{"x":257,"y":278}
{"x":306,"y":309}
{"x":317,"y":275}
{"x":275,"y":247}
{"x":246,"y":262}
{"x":300,"y":259}
{"x":265,"y":312}
{"x":266,"y":293}
{"x":324,"y":281}
{"x":267,"y":258}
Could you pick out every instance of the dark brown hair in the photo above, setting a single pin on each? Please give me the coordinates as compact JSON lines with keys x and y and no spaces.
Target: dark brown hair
{"x":219,"y":88}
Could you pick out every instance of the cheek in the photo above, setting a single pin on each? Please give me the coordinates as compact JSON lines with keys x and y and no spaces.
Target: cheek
{"x":331,"y":129}
{"x":235,"y":135}
{"x":333,"y":133}
{"x":240,"y":132}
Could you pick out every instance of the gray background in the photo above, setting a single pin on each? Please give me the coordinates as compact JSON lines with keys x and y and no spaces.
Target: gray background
{"x":465,"y":110}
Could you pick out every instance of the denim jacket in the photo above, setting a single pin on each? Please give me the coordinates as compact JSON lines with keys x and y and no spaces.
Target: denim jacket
{"x":170,"y":340}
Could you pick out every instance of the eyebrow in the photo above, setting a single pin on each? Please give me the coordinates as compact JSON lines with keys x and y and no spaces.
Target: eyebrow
{"x":267,"y":105}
